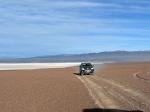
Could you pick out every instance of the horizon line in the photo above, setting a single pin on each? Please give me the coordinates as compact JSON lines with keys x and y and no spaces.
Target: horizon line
{"x":67,"y":54}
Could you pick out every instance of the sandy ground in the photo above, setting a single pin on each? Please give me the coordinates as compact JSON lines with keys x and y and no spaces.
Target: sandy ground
{"x":51,"y":90}
{"x":113,"y":88}
{"x":120,"y":86}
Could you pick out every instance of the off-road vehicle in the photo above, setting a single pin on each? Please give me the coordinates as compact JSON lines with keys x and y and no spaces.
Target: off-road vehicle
{"x":86,"y":68}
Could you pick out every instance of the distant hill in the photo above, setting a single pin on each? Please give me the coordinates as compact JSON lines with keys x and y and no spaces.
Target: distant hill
{"x":115,"y":56}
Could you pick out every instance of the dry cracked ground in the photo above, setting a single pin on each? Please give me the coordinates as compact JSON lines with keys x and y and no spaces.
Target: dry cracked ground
{"x":122,"y":87}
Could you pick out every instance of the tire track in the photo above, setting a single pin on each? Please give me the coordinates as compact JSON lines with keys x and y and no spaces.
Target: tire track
{"x":137,"y":76}
{"x":99,"y":94}
{"x":119,"y":96}
{"x":91,"y":92}
{"x":133,"y":98}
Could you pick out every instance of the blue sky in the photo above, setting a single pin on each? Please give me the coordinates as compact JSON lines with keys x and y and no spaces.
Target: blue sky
{"x":49,"y":27}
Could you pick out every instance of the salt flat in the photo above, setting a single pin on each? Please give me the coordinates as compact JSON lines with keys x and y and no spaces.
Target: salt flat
{"x":30,"y":66}
{"x":26,"y":66}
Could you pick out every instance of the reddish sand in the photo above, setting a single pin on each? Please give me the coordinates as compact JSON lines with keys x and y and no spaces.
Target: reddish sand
{"x":122,"y":86}
{"x":132,"y":75}
{"x":51,"y":90}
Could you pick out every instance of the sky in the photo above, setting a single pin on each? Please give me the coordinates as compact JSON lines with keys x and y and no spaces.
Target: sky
{"x":31,"y":28}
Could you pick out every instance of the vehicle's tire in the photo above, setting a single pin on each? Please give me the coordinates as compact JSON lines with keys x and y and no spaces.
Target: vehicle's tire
{"x":81,"y":73}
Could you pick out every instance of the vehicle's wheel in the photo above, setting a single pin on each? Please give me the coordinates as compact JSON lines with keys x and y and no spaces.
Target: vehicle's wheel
{"x":81,"y":73}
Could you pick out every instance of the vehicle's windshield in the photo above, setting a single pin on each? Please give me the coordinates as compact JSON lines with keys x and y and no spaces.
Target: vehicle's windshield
{"x":88,"y":65}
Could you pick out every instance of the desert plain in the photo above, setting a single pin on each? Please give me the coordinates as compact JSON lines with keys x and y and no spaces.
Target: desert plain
{"x":115,"y":87}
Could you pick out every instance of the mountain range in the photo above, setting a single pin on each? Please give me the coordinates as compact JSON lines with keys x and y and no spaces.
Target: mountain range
{"x":113,"y":56}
